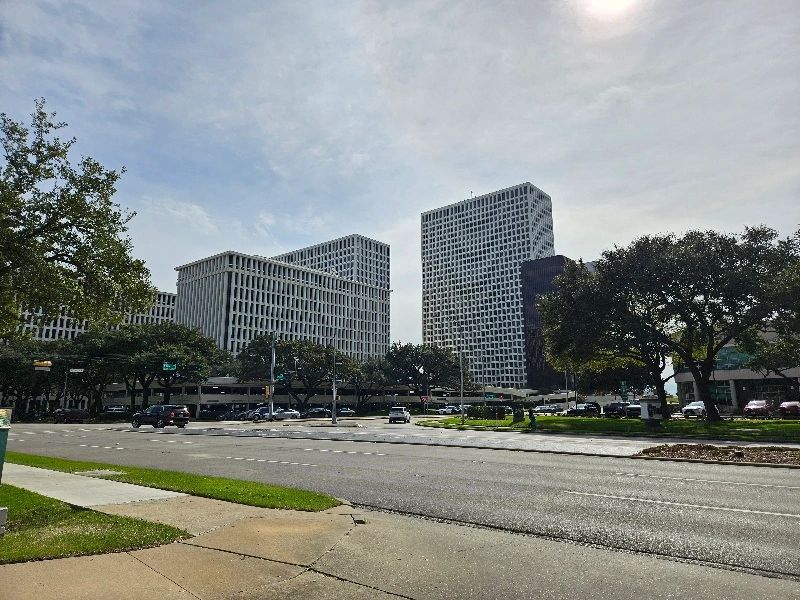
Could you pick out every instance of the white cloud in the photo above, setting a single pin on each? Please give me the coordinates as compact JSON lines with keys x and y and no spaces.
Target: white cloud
{"x":271,"y":126}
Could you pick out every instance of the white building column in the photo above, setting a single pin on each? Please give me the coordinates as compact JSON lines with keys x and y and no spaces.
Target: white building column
{"x":734,"y":398}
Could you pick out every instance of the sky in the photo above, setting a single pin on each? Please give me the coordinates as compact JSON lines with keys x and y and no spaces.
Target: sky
{"x":263,"y":127}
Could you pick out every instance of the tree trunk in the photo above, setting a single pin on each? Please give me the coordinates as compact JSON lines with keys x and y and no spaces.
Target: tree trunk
{"x":704,"y":391}
{"x":145,"y":397}
{"x":661,"y":393}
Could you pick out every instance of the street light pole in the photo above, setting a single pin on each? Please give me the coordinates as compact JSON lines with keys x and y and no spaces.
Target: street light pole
{"x":461,"y":373}
{"x":333,"y":412}
{"x":272,"y":378}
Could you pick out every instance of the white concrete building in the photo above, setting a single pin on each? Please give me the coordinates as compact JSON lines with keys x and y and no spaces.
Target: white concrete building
{"x":68,"y":327}
{"x":353,"y":257}
{"x":234,"y":297}
{"x":472,"y":252}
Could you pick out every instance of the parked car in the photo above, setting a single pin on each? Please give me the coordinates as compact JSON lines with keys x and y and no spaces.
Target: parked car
{"x":694,"y":409}
{"x":70,"y":415}
{"x":583,"y":410}
{"x":596,"y":406}
{"x":283,"y":414}
{"x":548,"y":409}
{"x":316,"y":413}
{"x":449,"y":410}
{"x":116,"y":410}
{"x":260,"y":414}
{"x":616,"y":409}
{"x":231,"y":415}
{"x":634,"y":410}
{"x":345,"y":412}
{"x":757,"y":408}
{"x":789,"y":410}
{"x":161,"y":415}
{"x":400,"y":414}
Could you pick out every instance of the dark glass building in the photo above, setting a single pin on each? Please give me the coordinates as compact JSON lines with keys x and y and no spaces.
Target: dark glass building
{"x":537,"y":279}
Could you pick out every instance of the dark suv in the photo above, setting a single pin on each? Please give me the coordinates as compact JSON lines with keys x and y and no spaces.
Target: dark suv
{"x":161,"y":415}
{"x":70,"y":415}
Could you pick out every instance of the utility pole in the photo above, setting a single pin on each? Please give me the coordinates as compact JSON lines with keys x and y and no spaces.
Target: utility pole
{"x":333,"y":412}
{"x":461,"y":372}
{"x":272,"y":378}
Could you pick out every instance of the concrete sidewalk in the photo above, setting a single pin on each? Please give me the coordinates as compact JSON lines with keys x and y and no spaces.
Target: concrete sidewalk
{"x":345,"y":553}
{"x":79,"y":490}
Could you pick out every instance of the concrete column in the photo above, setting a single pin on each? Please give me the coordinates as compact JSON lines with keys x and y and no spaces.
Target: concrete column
{"x":734,"y":398}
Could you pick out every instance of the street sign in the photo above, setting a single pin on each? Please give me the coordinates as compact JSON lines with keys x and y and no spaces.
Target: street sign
{"x":489,"y":395}
{"x":167,"y":366}
{"x":76,"y":370}
{"x":280,"y":377}
{"x":42,"y":365}
{"x":423,"y":398}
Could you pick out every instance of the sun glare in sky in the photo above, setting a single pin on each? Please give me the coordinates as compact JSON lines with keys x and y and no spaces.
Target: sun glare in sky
{"x":608,"y":10}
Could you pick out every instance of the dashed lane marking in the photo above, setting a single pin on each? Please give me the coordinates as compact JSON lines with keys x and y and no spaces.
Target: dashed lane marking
{"x":102,"y":447}
{"x":274,"y":462}
{"x":694,"y":480}
{"x":683,"y":504}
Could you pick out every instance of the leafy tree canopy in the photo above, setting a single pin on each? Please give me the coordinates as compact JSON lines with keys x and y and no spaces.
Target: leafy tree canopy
{"x":63,"y":240}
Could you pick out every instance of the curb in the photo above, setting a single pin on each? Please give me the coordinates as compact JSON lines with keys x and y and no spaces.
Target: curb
{"x":709,"y":461}
{"x":638,"y":434}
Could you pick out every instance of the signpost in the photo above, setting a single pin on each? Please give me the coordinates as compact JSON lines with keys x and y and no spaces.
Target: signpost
{"x":489,"y":395}
{"x":5,"y":424}
{"x":168,"y":366}
{"x":42,"y":365}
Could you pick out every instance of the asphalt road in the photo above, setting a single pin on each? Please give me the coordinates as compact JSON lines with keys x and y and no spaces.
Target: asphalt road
{"x":733,"y":516}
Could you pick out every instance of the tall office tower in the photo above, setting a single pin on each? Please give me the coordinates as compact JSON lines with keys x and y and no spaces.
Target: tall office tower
{"x":234,"y":298}
{"x":353,"y":257}
{"x":68,"y":327}
{"x":471,"y":291}
{"x":537,"y":280}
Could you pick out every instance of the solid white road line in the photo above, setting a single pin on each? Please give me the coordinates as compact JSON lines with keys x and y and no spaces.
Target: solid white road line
{"x":693,"y":480}
{"x":666,"y":503}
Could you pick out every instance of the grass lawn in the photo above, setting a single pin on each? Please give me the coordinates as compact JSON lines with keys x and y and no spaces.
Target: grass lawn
{"x":742,"y":429}
{"x":219,"y":488}
{"x":39,"y":527}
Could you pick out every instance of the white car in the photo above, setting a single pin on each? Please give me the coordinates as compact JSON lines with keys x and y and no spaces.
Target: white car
{"x":400,"y":414}
{"x":694,"y":409}
{"x":280,"y":414}
{"x":449,"y":410}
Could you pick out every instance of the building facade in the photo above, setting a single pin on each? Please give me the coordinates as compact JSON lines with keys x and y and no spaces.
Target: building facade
{"x":67,"y":327}
{"x":733,"y":385}
{"x":233,"y":298}
{"x":472,"y":252}
{"x":353,"y":257}
{"x":537,"y":280}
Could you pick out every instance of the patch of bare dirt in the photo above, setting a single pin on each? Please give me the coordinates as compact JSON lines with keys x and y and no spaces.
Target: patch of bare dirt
{"x":746,"y":454}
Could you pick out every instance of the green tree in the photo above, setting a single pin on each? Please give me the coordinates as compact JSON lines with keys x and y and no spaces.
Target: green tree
{"x":696,"y":293}
{"x":63,"y":240}
{"x":587,"y":329}
{"x":140,"y":351}
{"x":305,"y":365}
{"x":777,"y":349}
{"x":18,"y":379}
{"x":368,"y":379}
{"x":425,"y":366}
